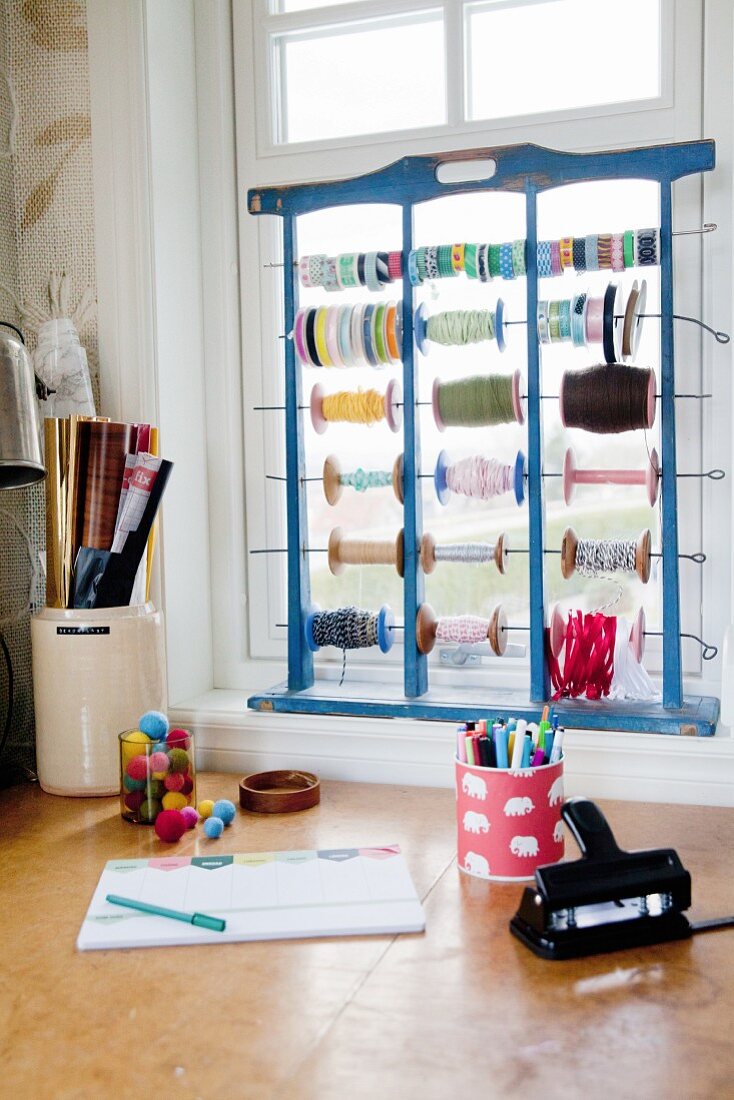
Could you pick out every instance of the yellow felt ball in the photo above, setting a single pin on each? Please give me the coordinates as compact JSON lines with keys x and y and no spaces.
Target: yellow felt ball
{"x":205,"y":807}
{"x":174,"y":800}
{"x":133,"y":744}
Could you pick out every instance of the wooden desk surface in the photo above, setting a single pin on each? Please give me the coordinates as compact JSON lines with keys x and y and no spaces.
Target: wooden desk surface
{"x":462,"y":1010}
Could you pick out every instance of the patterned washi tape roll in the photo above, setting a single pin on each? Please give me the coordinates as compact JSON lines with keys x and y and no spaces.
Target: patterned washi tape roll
{"x":413,"y":274}
{"x":493,"y":260}
{"x":421,"y":261}
{"x":647,"y":247}
{"x":395,"y":265}
{"x":554,"y":326}
{"x":604,"y":251}
{"x":591,"y":252}
{"x":579,"y":255}
{"x":556,"y":268}
{"x":483,"y":263}
{"x":565,"y":247}
{"x":578,"y":321}
{"x":628,"y":248}
{"x":383,"y":271}
{"x":329,"y":281}
{"x":506,"y":269}
{"x":617,"y":252}
{"x":346,"y":273}
{"x":543,"y":329}
{"x":457,"y":257}
{"x":370,"y":271}
{"x":544,"y":260}
{"x":432,"y":271}
{"x":316,"y":269}
{"x":470,"y":260}
{"x":445,"y":262}
{"x":564,"y":319}
{"x":518,"y":258}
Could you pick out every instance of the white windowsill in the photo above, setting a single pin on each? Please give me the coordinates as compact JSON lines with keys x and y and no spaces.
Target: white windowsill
{"x":648,"y":767}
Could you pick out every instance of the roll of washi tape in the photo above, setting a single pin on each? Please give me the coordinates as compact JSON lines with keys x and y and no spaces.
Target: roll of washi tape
{"x":578,"y":321}
{"x":304,"y":271}
{"x":565,"y":246}
{"x":299,"y":338}
{"x":359,"y":269}
{"x":554,"y":325}
{"x":332,"y":335}
{"x":378,"y":334}
{"x":329,"y":281}
{"x":458,"y":253}
{"x":395,"y":265}
{"x":591,"y":252}
{"x":279,"y":792}
{"x":422,"y":262}
{"x":609,"y":324}
{"x":483,"y":263}
{"x":506,"y":269}
{"x":594,"y":320}
{"x":309,"y":329}
{"x":544,"y":260}
{"x":604,"y":251}
{"x":432,"y":268}
{"x":413,"y":274}
{"x":369,"y":346}
{"x":617,"y":252}
{"x":445,"y":262}
{"x":556,"y":268}
{"x":518,"y":258}
{"x":345,"y":343}
{"x":370,"y":271}
{"x":579,"y":255}
{"x":345,"y":273}
{"x":320,"y":333}
{"x":493,"y":260}
{"x":383,"y":273}
{"x":543,"y":327}
{"x":628,"y":248}
{"x":316,"y":267}
{"x":646,"y":244}
{"x":470,"y":260}
{"x":564,"y":319}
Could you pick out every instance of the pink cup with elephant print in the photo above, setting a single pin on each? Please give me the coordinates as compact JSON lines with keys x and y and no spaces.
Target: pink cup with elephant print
{"x":508,"y":821}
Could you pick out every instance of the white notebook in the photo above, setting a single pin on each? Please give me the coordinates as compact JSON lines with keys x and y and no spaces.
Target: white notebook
{"x":261,"y":895}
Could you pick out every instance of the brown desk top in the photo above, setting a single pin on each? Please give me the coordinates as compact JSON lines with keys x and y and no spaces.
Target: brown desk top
{"x":395,"y":1017}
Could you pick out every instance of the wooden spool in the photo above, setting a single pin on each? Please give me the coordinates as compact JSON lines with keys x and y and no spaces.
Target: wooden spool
{"x":333,"y":487}
{"x":344,"y":551}
{"x":428,"y":552}
{"x":643,"y":560}
{"x":426,"y":624}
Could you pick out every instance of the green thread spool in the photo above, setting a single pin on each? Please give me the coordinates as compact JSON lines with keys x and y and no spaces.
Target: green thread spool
{"x":482,"y":400}
{"x":458,"y":327}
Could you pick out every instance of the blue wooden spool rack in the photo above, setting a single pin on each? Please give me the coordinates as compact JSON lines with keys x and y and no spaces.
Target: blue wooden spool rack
{"x":529,"y":169}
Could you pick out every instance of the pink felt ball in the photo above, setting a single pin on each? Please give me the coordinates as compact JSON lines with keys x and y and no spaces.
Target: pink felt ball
{"x":138,"y":767}
{"x":188,"y":785}
{"x":134,"y":799}
{"x":159,"y":762}
{"x":174,"y":781}
{"x":170,"y":825}
{"x":190,"y":816}
{"x":178,"y":739}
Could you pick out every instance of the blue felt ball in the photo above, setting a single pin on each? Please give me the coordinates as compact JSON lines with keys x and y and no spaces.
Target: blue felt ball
{"x":155,"y":724}
{"x":131,"y":784}
{"x":214,"y":827}
{"x":224,"y":809}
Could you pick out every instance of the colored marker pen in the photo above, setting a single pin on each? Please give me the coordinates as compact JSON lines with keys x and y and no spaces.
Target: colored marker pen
{"x":469,"y":749}
{"x":538,"y":758}
{"x":548,"y":746}
{"x":461,"y":744}
{"x":527,"y":750}
{"x":518,"y":744}
{"x":557,"y":746}
{"x":500,"y":746}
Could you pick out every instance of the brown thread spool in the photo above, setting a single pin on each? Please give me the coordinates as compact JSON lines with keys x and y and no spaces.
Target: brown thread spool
{"x":608,"y":399}
{"x":333,"y":487}
{"x":426,"y":624}
{"x":344,"y":551}
{"x":643,"y":561}
{"x":428,"y":553}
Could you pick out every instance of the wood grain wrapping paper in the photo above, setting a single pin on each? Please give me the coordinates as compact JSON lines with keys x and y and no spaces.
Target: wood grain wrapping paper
{"x":56,"y":450}
{"x":100,"y":463}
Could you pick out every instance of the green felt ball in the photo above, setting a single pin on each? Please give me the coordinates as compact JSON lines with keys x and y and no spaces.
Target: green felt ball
{"x":179,"y":760}
{"x":131,"y":784}
{"x":156,"y":788}
{"x":150,"y":809}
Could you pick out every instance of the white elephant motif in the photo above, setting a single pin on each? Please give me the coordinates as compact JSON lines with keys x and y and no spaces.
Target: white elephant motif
{"x":524,"y":845}
{"x":555,"y":794}
{"x":475,"y":823}
{"x":474,"y":786}
{"x":516,"y":807}
{"x":476,"y":864}
{"x":558,"y":832}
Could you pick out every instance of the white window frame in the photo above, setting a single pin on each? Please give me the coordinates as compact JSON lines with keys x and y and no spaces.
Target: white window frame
{"x":210,"y":670}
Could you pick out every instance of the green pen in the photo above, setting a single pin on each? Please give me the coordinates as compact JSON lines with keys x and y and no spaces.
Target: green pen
{"x":201,"y":920}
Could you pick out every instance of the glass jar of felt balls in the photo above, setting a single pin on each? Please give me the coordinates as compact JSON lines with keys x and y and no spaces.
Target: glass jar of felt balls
{"x":157,"y":769}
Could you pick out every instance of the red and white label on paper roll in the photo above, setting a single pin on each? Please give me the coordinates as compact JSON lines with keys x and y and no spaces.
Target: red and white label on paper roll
{"x":508,"y":822}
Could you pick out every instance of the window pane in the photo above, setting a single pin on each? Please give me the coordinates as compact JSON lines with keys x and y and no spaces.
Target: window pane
{"x":277,"y":7}
{"x":353,"y":79}
{"x":557,"y":55}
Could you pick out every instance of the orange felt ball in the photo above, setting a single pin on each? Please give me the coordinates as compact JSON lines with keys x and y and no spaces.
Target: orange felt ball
{"x":170,"y":825}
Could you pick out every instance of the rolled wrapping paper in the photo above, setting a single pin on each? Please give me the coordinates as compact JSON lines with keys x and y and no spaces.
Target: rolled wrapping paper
{"x":56,"y":450}
{"x":99,"y":467}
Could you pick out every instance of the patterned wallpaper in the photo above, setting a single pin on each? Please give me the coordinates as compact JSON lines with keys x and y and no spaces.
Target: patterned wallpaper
{"x":47,"y":228}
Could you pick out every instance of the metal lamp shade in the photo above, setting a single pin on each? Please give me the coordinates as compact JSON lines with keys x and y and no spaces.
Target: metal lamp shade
{"x":21,"y":463}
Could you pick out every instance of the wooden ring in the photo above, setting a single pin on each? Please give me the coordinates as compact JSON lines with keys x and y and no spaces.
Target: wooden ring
{"x":279,"y":792}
